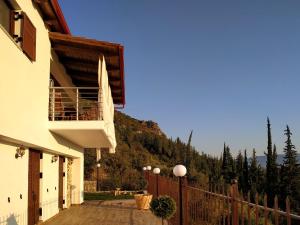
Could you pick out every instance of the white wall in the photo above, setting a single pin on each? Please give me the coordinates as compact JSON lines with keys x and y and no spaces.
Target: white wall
{"x":107,"y":104}
{"x":24,"y":91}
{"x":77,"y":181}
{"x":24,"y":120}
{"x":13,"y":183}
{"x":49,"y":187}
{"x":24,"y":103}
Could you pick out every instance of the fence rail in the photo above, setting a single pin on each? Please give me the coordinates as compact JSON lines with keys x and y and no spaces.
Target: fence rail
{"x":75,"y":103}
{"x":225,"y":206}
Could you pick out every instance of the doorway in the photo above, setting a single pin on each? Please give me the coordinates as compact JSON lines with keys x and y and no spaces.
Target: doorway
{"x":33,"y":187}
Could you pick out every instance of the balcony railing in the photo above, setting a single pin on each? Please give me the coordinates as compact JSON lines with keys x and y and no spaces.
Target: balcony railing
{"x":75,"y":103}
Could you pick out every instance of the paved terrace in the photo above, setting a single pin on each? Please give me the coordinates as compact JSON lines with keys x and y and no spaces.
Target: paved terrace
{"x":123,"y":212}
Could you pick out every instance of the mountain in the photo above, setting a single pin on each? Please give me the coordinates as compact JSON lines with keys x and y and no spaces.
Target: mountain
{"x":262,"y":160}
{"x":141,"y":143}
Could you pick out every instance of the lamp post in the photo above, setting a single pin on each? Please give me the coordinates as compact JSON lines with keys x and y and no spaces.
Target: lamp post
{"x":98,"y":166}
{"x":180,"y":171}
{"x":156,"y":171}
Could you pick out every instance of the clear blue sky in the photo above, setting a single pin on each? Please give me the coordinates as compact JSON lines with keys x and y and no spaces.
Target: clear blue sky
{"x":216,"y":67}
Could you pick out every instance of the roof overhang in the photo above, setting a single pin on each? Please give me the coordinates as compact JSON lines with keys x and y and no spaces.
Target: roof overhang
{"x":80,"y":57}
{"x":52,"y":15}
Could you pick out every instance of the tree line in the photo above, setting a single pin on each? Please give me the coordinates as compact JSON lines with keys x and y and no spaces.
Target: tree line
{"x":138,"y":146}
{"x":281,"y":180}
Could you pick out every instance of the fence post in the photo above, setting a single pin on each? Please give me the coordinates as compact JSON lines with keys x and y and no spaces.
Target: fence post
{"x":234,"y":202}
{"x":146,"y":176}
{"x":185,"y":199}
{"x":288,"y":210}
{"x":157,"y":185}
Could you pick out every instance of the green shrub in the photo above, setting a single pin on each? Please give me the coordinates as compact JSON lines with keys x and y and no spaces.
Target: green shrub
{"x":163,"y":207}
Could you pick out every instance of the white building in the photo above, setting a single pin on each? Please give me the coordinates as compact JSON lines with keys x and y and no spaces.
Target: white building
{"x":57,"y":97}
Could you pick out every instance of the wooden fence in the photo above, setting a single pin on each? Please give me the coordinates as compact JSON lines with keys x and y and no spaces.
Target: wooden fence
{"x":219,"y":206}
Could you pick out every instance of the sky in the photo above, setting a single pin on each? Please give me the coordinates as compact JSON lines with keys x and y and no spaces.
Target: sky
{"x":219,"y":68}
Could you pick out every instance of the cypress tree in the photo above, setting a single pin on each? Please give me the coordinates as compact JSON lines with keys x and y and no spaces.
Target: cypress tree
{"x":290,"y":176}
{"x":188,"y":158}
{"x":253,"y":175}
{"x":270,"y":182}
{"x":225,"y":163}
{"x":245,"y":178}
{"x":275,"y":171}
{"x":239,"y":168}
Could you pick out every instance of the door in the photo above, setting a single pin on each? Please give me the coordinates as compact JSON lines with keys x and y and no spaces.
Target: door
{"x":33,"y":187}
{"x":61,"y":182}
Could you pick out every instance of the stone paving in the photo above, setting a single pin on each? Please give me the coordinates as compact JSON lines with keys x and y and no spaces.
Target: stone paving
{"x":117,"y":212}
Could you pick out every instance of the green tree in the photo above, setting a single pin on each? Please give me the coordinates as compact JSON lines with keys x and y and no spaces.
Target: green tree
{"x":239,"y":168}
{"x":253,"y":175}
{"x":245,"y":178}
{"x":290,"y":176}
{"x":228,"y":165}
{"x":188,"y":158}
{"x":271,"y":183}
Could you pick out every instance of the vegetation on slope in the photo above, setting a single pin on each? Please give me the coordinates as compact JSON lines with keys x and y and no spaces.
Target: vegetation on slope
{"x":142,"y":143}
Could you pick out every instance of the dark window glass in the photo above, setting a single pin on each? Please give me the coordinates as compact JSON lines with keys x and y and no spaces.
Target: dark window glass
{"x":4,"y":15}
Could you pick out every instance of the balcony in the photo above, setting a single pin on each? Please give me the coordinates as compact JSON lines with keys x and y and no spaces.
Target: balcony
{"x":79,"y":115}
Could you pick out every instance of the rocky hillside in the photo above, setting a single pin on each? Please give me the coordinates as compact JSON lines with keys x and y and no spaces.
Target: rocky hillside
{"x":141,"y":143}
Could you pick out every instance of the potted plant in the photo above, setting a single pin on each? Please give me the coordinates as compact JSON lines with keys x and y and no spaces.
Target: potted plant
{"x":142,"y":200}
{"x":163,"y":207}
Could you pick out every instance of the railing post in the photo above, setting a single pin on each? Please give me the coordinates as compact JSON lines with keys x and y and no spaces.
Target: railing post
{"x":186,"y":206}
{"x":157,"y":185}
{"x":234,"y":203}
{"x":265,"y":209}
{"x":288,"y":211}
{"x":77,"y":104}
{"x":53,"y":104}
{"x":180,"y":201}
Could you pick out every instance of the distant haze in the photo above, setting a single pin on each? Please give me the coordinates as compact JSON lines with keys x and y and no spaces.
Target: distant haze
{"x":263,"y":159}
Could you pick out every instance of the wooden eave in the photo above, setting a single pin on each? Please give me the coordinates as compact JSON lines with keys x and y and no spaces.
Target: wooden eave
{"x":52,"y":15}
{"x":80,"y":57}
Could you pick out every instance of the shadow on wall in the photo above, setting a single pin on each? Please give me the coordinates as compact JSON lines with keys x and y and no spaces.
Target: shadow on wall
{"x":13,"y":219}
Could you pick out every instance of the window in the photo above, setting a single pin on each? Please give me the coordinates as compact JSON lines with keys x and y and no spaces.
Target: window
{"x":5,"y":13}
{"x":19,"y":26}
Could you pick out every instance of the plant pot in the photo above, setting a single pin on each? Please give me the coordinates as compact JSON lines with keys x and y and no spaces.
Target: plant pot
{"x":142,"y":201}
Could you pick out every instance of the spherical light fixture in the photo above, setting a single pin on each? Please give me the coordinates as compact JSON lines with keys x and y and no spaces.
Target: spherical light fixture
{"x":144,"y":168}
{"x":148,"y":167}
{"x":179,"y":171}
{"x":98,"y":165}
{"x":156,"y":170}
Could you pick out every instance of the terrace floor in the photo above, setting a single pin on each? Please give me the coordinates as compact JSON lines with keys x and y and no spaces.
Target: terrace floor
{"x":117,"y":212}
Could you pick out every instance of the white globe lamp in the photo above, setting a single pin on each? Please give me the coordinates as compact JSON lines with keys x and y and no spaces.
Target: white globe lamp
{"x":148,"y":167}
{"x":156,"y":170}
{"x":179,"y":171}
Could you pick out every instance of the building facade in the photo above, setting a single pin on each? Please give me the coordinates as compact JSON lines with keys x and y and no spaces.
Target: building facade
{"x":57,"y":97}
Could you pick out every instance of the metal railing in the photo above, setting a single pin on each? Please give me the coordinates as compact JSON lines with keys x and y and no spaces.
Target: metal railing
{"x":220,"y":206}
{"x":75,"y":103}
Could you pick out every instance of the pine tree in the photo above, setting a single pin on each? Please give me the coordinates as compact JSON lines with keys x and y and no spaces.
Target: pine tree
{"x":289,"y":175}
{"x":228,"y":165}
{"x":245,"y":178}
